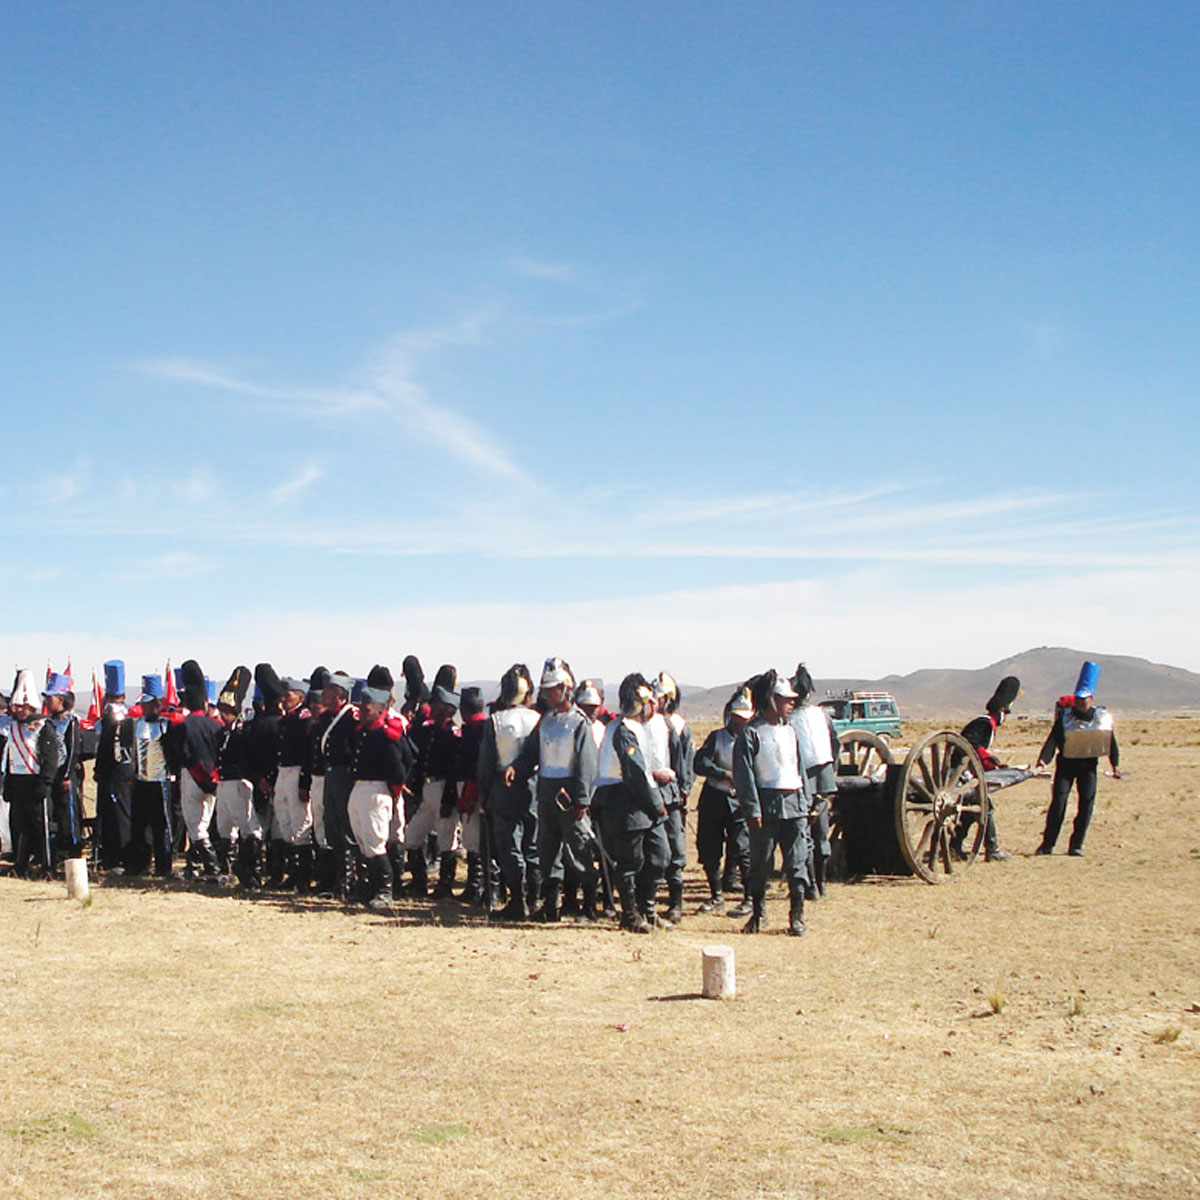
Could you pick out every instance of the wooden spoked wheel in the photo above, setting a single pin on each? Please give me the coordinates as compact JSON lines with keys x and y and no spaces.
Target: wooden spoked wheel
{"x":863,"y":753}
{"x":941,"y":800}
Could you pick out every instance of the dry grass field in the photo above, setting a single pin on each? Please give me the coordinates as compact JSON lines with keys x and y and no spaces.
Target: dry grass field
{"x":1032,"y":1030}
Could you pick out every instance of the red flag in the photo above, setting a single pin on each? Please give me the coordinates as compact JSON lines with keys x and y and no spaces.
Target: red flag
{"x":172,"y":700}
{"x":97,"y":705}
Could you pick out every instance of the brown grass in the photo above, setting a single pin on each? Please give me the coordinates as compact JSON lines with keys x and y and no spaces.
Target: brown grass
{"x":173,"y":1044}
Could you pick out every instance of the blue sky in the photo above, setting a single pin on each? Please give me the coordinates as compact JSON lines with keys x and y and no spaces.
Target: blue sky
{"x":696,"y":336}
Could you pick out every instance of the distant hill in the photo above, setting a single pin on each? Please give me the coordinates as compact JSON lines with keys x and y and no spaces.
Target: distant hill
{"x":1126,"y":685}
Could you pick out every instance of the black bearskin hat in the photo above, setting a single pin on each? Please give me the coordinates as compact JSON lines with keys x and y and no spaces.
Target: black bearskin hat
{"x":194,"y":689}
{"x":1007,"y":690}
{"x":233,"y":694}
{"x":270,"y":685}
{"x":415,"y":691}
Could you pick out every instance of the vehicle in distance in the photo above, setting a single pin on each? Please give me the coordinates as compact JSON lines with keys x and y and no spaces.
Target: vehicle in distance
{"x":873,"y":711}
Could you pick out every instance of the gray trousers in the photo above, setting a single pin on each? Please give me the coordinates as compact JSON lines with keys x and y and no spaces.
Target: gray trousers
{"x":560,"y":836}
{"x":790,"y":834}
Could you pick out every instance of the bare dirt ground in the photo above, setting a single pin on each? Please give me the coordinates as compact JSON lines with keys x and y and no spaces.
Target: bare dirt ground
{"x":1030,"y":1030}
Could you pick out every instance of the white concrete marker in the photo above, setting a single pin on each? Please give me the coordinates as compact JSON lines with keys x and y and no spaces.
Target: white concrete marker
{"x":720,"y":978}
{"x":75,"y":873}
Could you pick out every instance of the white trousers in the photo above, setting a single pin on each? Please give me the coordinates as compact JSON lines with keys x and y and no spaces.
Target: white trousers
{"x":293,"y":817}
{"x":472,"y":831}
{"x":372,"y":814}
{"x":428,"y":819}
{"x":235,"y":810}
{"x":316,"y":805}
{"x":197,"y":808}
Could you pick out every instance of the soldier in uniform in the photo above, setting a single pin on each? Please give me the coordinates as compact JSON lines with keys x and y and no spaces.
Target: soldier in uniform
{"x":719,"y":821}
{"x":262,"y":759}
{"x":147,"y":740}
{"x":980,"y":731}
{"x":509,"y":802}
{"x":113,"y":772}
{"x":675,"y":792}
{"x":66,"y":790}
{"x":563,"y":754}
{"x":293,"y":823}
{"x":335,"y":737}
{"x":769,"y":780}
{"x":818,"y":757}
{"x":475,"y":841}
{"x":381,"y":764}
{"x":435,"y":793}
{"x":1081,"y":733}
{"x":630,"y":804}
{"x":239,"y":822}
{"x":30,"y":764}
{"x":198,"y":745}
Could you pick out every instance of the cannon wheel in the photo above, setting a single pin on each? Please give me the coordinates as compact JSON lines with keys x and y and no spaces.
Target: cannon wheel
{"x":940,"y":783}
{"x":863,"y":753}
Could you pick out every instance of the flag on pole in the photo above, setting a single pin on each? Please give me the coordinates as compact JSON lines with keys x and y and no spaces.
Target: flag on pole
{"x":97,"y":705}
{"x":172,"y":697}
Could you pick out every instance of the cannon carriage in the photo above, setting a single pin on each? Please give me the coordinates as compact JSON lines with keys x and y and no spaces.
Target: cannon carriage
{"x":924,"y":816}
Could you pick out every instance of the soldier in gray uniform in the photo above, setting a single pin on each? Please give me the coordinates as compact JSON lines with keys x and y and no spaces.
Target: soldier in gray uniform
{"x":630,"y":803}
{"x":768,"y":776}
{"x":563,"y":753}
{"x":818,"y":757}
{"x":509,"y":806}
{"x":675,"y":792}
{"x":718,"y":819}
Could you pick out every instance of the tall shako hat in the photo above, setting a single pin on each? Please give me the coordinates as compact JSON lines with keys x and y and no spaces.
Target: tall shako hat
{"x":415,"y":691}
{"x":472,"y":698}
{"x":233,"y":694}
{"x":193,"y":690}
{"x":515,"y":685}
{"x":588,"y":692}
{"x":211,"y":690}
{"x":23,"y":690}
{"x":379,"y":685}
{"x":1007,"y":690}
{"x":317,"y":679}
{"x":634,"y":692}
{"x":554,"y":672}
{"x":269,"y":685}
{"x":152,"y":688}
{"x":57,"y":684}
{"x":445,"y":686}
{"x":802,"y":681}
{"x":1089,"y":674}
{"x":114,"y":677}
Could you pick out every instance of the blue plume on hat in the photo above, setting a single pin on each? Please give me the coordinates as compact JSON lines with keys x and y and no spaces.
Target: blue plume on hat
{"x":114,"y":677}
{"x":1089,"y":673}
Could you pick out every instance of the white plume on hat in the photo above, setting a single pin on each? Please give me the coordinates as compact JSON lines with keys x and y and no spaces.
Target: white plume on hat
{"x":24,"y":692}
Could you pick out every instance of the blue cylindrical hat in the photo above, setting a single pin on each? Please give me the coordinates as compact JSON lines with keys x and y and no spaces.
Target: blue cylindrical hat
{"x":152,"y":688}
{"x":357,"y":690}
{"x":212,"y":688}
{"x":178,"y":673}
{"x":57,"y":684}
{"x":114,"y":677}
{"x":1089,"y":673}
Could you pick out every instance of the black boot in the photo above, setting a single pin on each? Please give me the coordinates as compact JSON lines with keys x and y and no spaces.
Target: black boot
{"x":533,"y":893}
{"x":514,"y":910}
{"x":821,"y":872}
{"x":646,"y":890}
{"x":570,"y":895}
{"x":674,"y":913}
{"x":445,"y":883}
{"x":249,"y":863}
{"x":379,"y":877}
{"x":276,"y":864}
{"x":326,"y":884}
{"x":346,"y":862}
{"x":549,"y":912}
{"x":796,"y":925}
{"x":587,"y":910}
{"x":716,"y":897}
{"x":418,"y":867}
{"x":631,"y":919}
{"x":758,"y":913}
{"x":302,"y":870}
{"x":472,"y":892}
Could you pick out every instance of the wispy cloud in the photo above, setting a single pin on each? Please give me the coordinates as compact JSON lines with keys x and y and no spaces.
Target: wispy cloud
{"x":529,"y":267}
{"x":294,"y":486}
{"x":390,"y":389}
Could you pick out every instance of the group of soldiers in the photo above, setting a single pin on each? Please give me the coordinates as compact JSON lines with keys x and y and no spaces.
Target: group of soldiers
{"x":355,"y":789}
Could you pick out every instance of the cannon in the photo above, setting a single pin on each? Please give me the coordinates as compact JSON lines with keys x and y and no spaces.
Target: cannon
{"x":906,"y":818}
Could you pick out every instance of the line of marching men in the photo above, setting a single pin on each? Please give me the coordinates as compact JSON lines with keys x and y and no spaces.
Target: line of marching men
{"x":342,"y":787}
